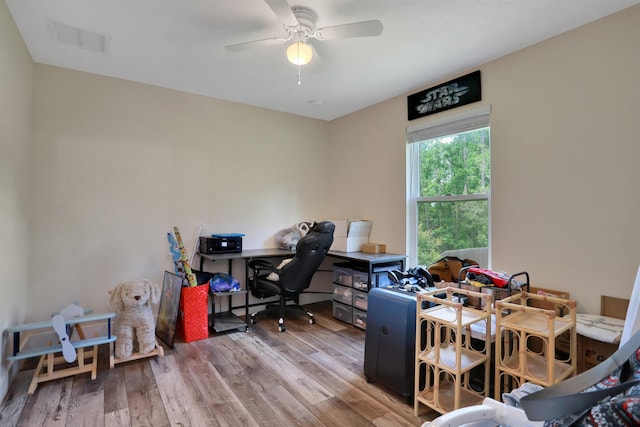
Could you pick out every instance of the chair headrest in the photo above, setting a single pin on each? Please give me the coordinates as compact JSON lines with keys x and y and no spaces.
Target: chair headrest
{"x":324,"y":227}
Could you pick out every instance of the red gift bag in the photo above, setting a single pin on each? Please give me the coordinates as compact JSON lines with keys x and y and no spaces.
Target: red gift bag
{"x":193,"y":321}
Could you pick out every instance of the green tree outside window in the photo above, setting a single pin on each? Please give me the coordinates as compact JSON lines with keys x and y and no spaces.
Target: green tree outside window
{"x":455,"y":182}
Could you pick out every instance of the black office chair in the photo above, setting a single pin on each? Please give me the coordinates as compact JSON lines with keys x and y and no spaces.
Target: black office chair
{"x":293,"y":278}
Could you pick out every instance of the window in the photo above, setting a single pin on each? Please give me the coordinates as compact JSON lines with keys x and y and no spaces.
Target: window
{"x":449,"y":186}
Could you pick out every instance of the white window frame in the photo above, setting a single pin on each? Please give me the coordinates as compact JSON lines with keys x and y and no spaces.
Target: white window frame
{"x":456,"y":123}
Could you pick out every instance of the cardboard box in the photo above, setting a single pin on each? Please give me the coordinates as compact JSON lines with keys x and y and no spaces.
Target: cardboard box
{"x":613,"y":307}
{"x":593,"y":352}
{"x":350,"y":234}
{"x":348,"y":244}
{"x":351,"y":228}
{"x":374,"y":248}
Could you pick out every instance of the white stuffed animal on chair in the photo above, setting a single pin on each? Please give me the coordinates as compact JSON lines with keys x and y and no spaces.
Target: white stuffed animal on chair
{"x":132,"y":303}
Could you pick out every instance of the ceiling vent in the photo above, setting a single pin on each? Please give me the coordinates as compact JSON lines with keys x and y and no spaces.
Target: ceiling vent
{"x":83,"y":39}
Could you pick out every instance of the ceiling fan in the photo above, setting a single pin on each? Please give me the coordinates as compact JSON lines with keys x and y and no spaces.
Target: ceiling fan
{"x":299,"y":23}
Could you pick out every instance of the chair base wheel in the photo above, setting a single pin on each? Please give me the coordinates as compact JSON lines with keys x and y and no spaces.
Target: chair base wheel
{"x":293,"y":308}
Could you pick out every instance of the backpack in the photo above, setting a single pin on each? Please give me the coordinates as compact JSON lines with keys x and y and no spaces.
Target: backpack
{"x":447,"y":269}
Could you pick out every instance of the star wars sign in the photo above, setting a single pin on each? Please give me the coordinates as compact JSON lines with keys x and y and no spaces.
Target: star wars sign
{"x":454,"y":93}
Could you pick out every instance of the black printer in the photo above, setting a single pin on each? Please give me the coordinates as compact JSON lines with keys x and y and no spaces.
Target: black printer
{"x":221,"y":244}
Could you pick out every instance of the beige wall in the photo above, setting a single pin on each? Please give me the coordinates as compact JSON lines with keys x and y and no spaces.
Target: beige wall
{"x":565,"y":187}
{"x":118,"y":164}
{"x":16,"y":76}
{"x":368,"y":179}
{"x":115,"y":164}
{"x":565,"y":147}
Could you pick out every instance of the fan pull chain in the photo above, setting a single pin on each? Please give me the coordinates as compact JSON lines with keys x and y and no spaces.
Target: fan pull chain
{"x":299,"y":71}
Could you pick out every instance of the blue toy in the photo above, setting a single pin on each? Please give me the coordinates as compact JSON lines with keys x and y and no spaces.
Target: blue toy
{"x":223,"y":282}
{"x":174,"y":248}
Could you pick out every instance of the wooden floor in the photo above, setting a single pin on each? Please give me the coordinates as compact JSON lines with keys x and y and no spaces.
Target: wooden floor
{"x":310,"y":375}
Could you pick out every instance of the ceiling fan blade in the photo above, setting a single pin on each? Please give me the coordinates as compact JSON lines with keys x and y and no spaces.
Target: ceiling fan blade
{"x":283,"y":11}
{"x":256,"y":43}
{"x":356,"y":29}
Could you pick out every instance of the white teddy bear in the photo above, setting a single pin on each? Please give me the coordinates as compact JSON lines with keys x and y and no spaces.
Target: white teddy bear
{"x":132,"y":303}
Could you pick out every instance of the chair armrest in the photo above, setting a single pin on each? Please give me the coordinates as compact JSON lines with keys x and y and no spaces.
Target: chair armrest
{"x":259,"y":265}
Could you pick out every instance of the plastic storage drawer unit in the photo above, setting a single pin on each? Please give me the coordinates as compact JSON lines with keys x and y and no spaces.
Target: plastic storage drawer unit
{"x":360,"y":300}
{"x":342,"y":274}
{"x":360,"y":280}
{"x":360,"y":319}
{"x":342,"y":294}
{"x":342,"y":312}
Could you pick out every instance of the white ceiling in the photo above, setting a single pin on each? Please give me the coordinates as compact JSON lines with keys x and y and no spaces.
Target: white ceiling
{"x":179,"y":44}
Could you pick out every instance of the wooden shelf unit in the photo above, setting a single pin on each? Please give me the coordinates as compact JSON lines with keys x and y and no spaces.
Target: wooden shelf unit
{"x":445,"y":355}
{"x":526,"y":349}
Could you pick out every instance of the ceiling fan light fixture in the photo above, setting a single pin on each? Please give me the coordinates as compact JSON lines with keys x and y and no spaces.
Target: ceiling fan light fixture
{"x":299,"y":53}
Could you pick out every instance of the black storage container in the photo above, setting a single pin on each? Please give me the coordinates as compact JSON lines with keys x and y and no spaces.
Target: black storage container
{"x":389,"y":349}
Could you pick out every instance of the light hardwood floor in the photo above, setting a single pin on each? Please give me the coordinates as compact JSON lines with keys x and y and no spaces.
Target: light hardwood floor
{"x":310,"y":375}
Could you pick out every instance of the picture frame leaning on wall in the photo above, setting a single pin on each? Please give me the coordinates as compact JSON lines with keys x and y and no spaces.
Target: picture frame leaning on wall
{"x":169,"y":306}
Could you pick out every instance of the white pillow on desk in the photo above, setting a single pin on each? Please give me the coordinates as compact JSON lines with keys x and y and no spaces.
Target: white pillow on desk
{"x":274,"y":277}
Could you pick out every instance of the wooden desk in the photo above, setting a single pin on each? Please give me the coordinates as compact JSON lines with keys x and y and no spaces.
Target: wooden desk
{"x":227,"y":320}
{"x":371,"y":261}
